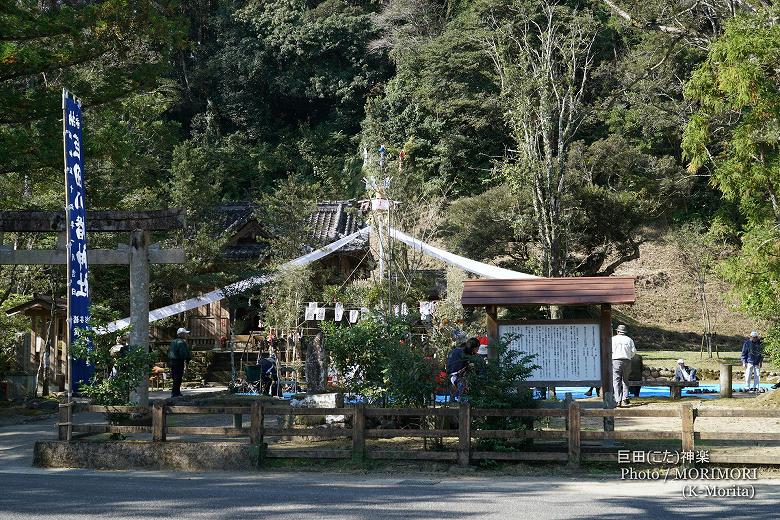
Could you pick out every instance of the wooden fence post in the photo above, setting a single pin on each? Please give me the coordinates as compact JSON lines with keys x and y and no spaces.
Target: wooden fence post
{"x":609,"y":403}
{"x":566,"y":403}
{"x":158,"y":422}
{"x":725,"y":380}
{"x":359,"y":433}
{"x":687,"y":417}
{"x":464,"y":434}
{"x":573,"y":428}
{"x":238,"y":420}
{"x":256,"y":429}
{"x":64,"y":426}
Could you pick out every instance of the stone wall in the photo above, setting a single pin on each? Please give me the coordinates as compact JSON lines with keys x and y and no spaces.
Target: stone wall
{"x":184,"y":456}
{"x":650,"y":373}
{"x":325,"y":400}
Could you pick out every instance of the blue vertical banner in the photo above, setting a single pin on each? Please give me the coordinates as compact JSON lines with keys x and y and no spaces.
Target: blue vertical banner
{"x":76,"y":218}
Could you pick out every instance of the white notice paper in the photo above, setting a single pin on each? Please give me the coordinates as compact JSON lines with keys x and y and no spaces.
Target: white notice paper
{"x":564,"y":351}
{"x":339,"y":311}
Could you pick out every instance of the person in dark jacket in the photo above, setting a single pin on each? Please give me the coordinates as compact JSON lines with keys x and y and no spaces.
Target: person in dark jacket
{"x":752,"y":358}
{"x":458,"y":365}
{"x":178,"y":356}
{"x":268,"y":377}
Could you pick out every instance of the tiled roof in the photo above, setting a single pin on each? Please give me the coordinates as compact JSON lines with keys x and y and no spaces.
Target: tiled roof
{"x":334,"y":220}
{"x":39,"y":302}
{"x":331,"y":221}
{"x":231,"y":216}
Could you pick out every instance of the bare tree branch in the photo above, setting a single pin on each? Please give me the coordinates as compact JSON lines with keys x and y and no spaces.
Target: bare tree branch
{"x":655,"y":26}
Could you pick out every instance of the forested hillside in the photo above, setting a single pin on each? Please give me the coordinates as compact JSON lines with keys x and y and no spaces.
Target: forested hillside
{"x":549,"y":137}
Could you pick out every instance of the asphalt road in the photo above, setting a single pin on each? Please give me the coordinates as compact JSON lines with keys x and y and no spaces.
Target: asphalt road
{"x":32,"y":493}
{"x":79,"y":494}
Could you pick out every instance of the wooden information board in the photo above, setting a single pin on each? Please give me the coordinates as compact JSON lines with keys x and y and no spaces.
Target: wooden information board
{"x":567,"y":352}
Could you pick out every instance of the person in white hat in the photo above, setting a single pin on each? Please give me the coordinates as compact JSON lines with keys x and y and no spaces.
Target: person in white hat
{"x":682,"y":372}
{"x":178,"y":356}
{"x":623,"y":349}
{"x":752,"y":358}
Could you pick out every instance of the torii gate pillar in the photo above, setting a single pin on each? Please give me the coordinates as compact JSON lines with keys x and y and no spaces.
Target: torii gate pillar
{"x":137,"y":256}
{"x":139,"y":301}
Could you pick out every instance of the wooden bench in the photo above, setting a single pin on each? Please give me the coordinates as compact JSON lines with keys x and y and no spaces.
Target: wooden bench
{"x":675,"y":387}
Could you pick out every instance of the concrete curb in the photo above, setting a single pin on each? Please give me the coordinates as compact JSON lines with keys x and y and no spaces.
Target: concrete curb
{"x":146,"y":455}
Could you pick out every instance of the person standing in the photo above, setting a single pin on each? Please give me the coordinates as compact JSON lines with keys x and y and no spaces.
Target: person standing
{"x":269,"y":382}
{"x":178,"y":355}
{"x":623,"y":349}
{"x":752,"y":358}
{"x":118,"y":351}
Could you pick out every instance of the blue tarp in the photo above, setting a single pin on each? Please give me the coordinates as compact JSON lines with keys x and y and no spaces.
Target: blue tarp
{"x":578,"y":392}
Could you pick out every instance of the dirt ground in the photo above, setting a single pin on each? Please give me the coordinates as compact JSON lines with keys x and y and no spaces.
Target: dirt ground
{"x":667,"y":313}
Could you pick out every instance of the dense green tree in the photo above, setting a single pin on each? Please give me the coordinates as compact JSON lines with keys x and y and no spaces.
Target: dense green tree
{"x":441,"y":107}
{"x":107,"y":53}
{"x":486,"y":227}
{"x":735,"y":133}
{"x":291,"y":77}
{"x":737,"y":125}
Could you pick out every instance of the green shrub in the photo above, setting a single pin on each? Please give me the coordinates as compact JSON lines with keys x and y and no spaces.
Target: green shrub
{"x":132,"y":368}
{"x":378,"y":360}
{"x":497,"y":385}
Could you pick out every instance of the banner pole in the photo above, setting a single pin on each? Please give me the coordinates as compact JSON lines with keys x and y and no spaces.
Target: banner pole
{"x":68,"y":368}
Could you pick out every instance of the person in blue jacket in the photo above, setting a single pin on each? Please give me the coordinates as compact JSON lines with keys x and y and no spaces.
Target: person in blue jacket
{"x":752,"y":357}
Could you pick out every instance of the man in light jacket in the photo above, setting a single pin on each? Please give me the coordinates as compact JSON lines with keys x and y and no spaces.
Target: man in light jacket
{"x":623,"y":349}
{"x":683,"y":372}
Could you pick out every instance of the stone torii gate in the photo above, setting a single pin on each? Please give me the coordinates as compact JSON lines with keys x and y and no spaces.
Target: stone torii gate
{"x":138,"y":254}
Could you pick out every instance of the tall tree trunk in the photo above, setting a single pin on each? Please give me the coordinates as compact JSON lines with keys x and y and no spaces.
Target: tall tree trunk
{"x":544,"y":67}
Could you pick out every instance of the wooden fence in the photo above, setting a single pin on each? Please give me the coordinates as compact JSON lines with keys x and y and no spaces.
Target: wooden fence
{"x":571,"y":437}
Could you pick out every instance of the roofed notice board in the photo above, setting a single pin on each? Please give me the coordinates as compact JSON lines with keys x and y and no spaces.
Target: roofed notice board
{"x":566,"y":352}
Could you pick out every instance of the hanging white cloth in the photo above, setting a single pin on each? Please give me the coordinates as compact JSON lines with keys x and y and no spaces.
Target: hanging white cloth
{"x":238,"y":287}
{"x":338,"y":311}
{"x":472,"y":266}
